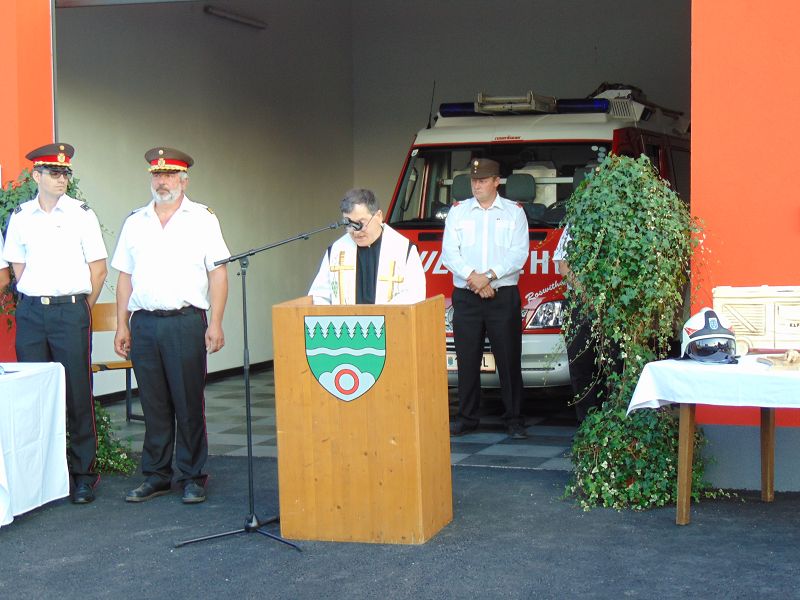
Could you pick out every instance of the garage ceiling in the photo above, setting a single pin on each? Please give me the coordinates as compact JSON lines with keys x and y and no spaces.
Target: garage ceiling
{"x":82,"y":3}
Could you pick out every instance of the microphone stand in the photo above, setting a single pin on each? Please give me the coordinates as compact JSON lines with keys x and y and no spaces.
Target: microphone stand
{"x":252,"y":524}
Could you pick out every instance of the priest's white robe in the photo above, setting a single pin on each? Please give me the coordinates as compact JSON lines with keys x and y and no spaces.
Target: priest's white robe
{"x":401,"y":279}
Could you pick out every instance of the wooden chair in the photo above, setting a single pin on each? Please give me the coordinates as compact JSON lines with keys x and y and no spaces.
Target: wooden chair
{"x":104,"y":318}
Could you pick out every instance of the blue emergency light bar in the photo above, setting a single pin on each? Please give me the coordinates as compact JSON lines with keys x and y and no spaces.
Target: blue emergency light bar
{"x":457,"y":109}
{"x":565,"y":106}
{"x":591,"y":105}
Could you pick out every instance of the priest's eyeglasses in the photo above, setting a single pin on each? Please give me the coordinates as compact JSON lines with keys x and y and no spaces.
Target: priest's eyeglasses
{"x":358,"y":225}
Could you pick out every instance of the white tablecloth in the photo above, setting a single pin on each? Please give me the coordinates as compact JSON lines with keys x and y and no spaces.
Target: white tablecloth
{"x":33,"y":438}
{"x":748,"y":383}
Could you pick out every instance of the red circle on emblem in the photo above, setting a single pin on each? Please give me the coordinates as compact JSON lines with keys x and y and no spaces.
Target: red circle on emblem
{"x":337,"y":381}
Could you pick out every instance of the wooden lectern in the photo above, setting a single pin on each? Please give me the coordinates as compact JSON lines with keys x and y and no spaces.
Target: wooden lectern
{"x":363,"y":421}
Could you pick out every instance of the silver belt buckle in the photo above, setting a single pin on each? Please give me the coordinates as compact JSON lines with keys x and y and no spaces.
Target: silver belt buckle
{"x":44,"y":300}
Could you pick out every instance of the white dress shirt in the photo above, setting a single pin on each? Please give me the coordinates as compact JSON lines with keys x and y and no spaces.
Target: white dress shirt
{"x":169,"y":265}
{"x":561,"y":250}
{"x":56,"y":247}
{"x":479,"y":239}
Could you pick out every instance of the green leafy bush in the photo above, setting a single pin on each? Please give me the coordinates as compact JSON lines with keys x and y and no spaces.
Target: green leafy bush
{"x":632,"y":242}
{"x":14,"y":193}
{"x":113,"y":455}
{"x":630,"y":461}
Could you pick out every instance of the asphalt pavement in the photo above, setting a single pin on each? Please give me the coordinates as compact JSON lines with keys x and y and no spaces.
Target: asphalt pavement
{"x":513,"y":535}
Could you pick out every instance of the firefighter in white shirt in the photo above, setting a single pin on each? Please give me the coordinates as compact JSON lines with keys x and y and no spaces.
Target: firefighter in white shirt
{"x":485,"y":246}
{"x":55,"y":246}
{"x":167,"y":281}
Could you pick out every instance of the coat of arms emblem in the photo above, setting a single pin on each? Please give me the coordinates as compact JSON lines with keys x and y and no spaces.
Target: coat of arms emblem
{"x":346,"y":354}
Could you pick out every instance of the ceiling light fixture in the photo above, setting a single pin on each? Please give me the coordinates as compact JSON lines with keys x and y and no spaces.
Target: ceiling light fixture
{"x":236,"y":18}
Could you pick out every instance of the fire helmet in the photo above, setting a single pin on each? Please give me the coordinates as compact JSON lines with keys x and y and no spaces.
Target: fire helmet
{"x":708,"y":338}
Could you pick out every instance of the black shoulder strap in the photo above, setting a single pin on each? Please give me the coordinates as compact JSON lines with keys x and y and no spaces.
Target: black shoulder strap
{"x":408,"y":251}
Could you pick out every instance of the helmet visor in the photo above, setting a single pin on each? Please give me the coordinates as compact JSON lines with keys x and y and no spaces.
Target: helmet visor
{"x":713,"y":350}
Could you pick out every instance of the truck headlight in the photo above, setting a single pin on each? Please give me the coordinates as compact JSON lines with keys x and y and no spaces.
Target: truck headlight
{"x":548,"y":315}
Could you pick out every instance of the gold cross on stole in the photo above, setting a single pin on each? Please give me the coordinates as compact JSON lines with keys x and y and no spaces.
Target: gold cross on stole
{"x":392,"y":280}
{"x":338,"y":270}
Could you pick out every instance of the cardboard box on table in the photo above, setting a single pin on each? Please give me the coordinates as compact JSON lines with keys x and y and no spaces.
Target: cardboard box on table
{"x":360,"y":463}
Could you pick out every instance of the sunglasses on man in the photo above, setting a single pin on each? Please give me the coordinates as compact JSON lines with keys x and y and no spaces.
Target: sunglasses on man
{"x":58,"y":172}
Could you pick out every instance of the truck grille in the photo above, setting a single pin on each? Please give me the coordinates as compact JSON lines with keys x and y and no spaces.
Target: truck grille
{"x":622,"y":109}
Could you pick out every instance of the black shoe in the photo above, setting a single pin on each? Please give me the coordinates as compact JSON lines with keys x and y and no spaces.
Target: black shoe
{"x":83,"y":494}
{"x":193,"y":493}
{"x":461,"y":428}
{"x":517,"y":432}
{"x":148,"y":490}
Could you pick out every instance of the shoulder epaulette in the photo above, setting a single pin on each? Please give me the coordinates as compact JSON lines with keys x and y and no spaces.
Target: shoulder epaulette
{"x":520,"y":205}
{"x":85,"y":206}
{"x":18,"y":209}
{"x":208,"y":208}
{"x":456,"y":202}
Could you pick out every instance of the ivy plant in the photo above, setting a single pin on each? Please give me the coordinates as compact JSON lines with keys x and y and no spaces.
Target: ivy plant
{"x":14,"y":193}
{"x":631,"y":461}
{"x":632,"y":239}
{"x":113,"y":455}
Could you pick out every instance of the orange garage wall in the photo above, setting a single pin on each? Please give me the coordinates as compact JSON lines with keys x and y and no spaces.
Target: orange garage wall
{"x":746,"y":152}
{"x":26,"y":99}
{"x":26,"y":65}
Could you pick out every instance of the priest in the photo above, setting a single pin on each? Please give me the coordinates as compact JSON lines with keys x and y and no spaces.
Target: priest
{"x":372,"y":263}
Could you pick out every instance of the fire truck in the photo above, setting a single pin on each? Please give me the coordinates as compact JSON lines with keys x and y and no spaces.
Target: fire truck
{"x":545,"y":147}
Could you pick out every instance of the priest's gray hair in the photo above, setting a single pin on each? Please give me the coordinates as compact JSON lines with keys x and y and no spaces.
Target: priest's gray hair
{"x":359,"y":196}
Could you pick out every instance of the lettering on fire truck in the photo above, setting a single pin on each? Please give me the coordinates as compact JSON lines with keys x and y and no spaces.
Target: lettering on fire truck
{"x":433,"y":258}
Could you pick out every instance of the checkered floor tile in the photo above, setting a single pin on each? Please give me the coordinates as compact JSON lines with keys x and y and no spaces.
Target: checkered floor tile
{"x":547,"y":447}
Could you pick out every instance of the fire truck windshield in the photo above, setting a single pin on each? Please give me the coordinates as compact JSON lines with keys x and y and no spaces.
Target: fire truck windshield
{"x":540,"y":176}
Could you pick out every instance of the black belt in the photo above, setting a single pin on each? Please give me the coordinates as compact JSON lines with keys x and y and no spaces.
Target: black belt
{"x":186,"y":310}
{"x":47,"y":300}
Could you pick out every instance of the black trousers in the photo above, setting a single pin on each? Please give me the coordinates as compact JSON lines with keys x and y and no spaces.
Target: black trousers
{"x":500,"y":320}
{"x":169,"y":359}
{"x":589,"y":386}
{"x":63,"y":333}
{"x":583,"y":372}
